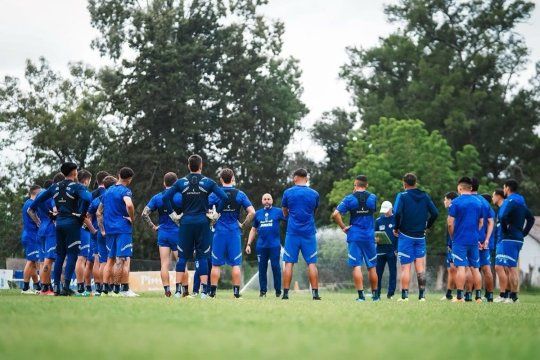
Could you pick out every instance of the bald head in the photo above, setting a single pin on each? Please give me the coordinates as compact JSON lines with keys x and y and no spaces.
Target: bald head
{"x":267,"y":201}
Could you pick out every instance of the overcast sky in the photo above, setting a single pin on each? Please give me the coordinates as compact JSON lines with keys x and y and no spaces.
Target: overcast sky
{"x":316,"y":33}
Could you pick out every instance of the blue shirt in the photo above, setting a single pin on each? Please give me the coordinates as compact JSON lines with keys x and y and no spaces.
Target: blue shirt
{"x":387,"y":224}
{"x":77,"y":201}
{"x":415,"y":212}
{"x":30,"y":228}
{"x":516,"y":219}
{"x":486,"y":214}
{"x":362,"y":227}
{"x":467,"y":212}
{"x":195,"y":190}
{"x":266,"y":221}
{"x":492,"y":240}
{"x":228,"y":221}
{"x":166,"y":225}
{"x":114,"y":210}
{"x":43,"y":211}
{"x":301,"y":201}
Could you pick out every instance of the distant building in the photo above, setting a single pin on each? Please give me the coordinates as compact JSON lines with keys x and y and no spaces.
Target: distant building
{"x":529,"y":259}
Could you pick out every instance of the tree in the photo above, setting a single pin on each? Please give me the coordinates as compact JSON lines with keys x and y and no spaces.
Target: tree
{"x":332,"y":133}
{"x":201,"y":77}
{"x":59,"y":118}
{"x":454,"y":64}
{"x":388,"y":150}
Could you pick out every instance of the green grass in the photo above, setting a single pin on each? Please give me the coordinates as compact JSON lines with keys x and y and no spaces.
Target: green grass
{"x":337,"y":327}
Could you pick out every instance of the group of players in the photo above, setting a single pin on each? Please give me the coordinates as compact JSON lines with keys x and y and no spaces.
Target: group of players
{"x":200,"y":220}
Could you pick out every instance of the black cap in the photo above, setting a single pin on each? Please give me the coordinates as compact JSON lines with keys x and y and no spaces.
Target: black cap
{"x":67,"y":168}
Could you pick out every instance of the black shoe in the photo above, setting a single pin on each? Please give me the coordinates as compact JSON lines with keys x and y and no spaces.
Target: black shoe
{"x":67,"y":292}
{"x":278,"y":294}
{"x":285,"y":297}
{"x":317,"y":297}
{"x":262,"y":294}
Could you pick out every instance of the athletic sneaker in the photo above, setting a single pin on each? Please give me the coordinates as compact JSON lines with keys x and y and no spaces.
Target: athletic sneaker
{"x":403,"y":300}
{"x":456,"y":300}
{"x":510,"y":301}
{"x":129,"y":293}
{"x":47,"y":293}
{"x":83,"y":294}
{"x":422,"y":299}
{"x":193,"y":295}
{"x":168,"y":293}
{"x":67,"y":292}
{"x":28,"y":292}
{"x":360,"y":300}
{"x":97,"y":293}
{"x":262,"y":294}
{"x":238,"y":297}
{"x":499,"y":299}
{"x":278,"y":294}
{"x":390,"y":297}
{"x":478,"y":300}
{"x":185,"y":295}
{"x":285,"y":297}
{"x":205,"y":296}
{"x":113,"y":294}
{"x":444,"y":298}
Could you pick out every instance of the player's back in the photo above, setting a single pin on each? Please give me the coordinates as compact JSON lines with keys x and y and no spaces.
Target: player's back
{"x":114,"y":210}
{"x":414,"y":207}
{"x":29,"y":226}
{"x":229,"y":208}
{"x":165,"y":221}
{"x":467,"y":212}
{"x":44,"y":213}
{"x":195,"y":190}
{"x":301,"y":201}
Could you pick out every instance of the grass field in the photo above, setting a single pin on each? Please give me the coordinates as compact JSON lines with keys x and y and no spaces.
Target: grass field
{"x":337,"y":327}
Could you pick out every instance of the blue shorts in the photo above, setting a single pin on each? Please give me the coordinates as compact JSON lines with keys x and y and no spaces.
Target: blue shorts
{"x":362,"y":253}
{"x":194,"y":237}
{"x":84,"y":250}
{"x":449,"y":259}
{"x":32,"y":249}
{"x":410,"y":248}
{"x":466,"y":255}
{"x":227,"y":248}
{"x":168,"y":239}
{"x":49,"y":249}
{"x":508,"y":252}
{"x":485,"y":257}
{"x":101,"y":245}
{"x":296,"y":243}
{"x":119,"y":245}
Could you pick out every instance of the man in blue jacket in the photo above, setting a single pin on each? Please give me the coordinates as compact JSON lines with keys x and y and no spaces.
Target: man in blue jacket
{"x":386,"y":253}
{"x":415,"y":212}
{"x":516,"y":221}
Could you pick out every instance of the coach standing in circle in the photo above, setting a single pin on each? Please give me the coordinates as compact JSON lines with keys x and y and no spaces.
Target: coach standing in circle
{"x":266,"y":225}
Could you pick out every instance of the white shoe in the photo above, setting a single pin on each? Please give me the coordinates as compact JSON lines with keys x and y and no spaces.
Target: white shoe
{"x":403,"y":300}
{"x":422,"y":299}
{"x":193,"y":295}
{"x":444,"y":298}
{"x":499,"y":299}
{"x":129,"y":293}
{"x":178,"y":295}
{"x":510,"y":301}
{"x":29,"y":292}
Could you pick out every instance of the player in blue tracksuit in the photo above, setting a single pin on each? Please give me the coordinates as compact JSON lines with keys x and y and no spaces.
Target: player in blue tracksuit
{"x":194,"y":233}
{"x":516,"y":221}
{"x":85,"y":257}
{"x":451,"y":269}
{"x":415,"y":212}
{"x":465,"y":217}
{"x":100,"y":249}
{"x":71,"y":199}
{"x":116,"y":215}
{"x":227,"y":242}
{"x":47,"y":235}
{"x":299,"y":204}
{"x":361,"y":206}
{"x":30,"y":243}
{"x":386,"y":253}
{"x":497,"y":198}
{"x":167,"y":235}
{"x":266,"y":227}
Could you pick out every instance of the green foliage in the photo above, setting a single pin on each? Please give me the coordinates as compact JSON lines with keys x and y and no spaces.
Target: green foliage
{"x":453,"y":65}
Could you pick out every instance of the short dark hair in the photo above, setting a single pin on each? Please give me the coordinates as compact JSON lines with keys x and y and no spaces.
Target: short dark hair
{"x":58,"y":177}
{"x":466,"y":182}
{"x":67,"y":168}
{"x":84,"y":175}
{"x":487,"y":197}
{"x":362,"y":180}
{"x":475,"y":183}
{"x":410,"y":179}
{"x":126,"y":173}
{"x":34,"y":188}
{"x":499,"y":192}
{"x":47,"y":183}
{"x":226,"y":175}
{"x":100,"y":176}
{"x":300,"y":173}
{"x":512,"y":185}
{"x":194,"y":162}
{"x":451,"y":195}
{"x":109,"y":181}
{"x":170,"y":178}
